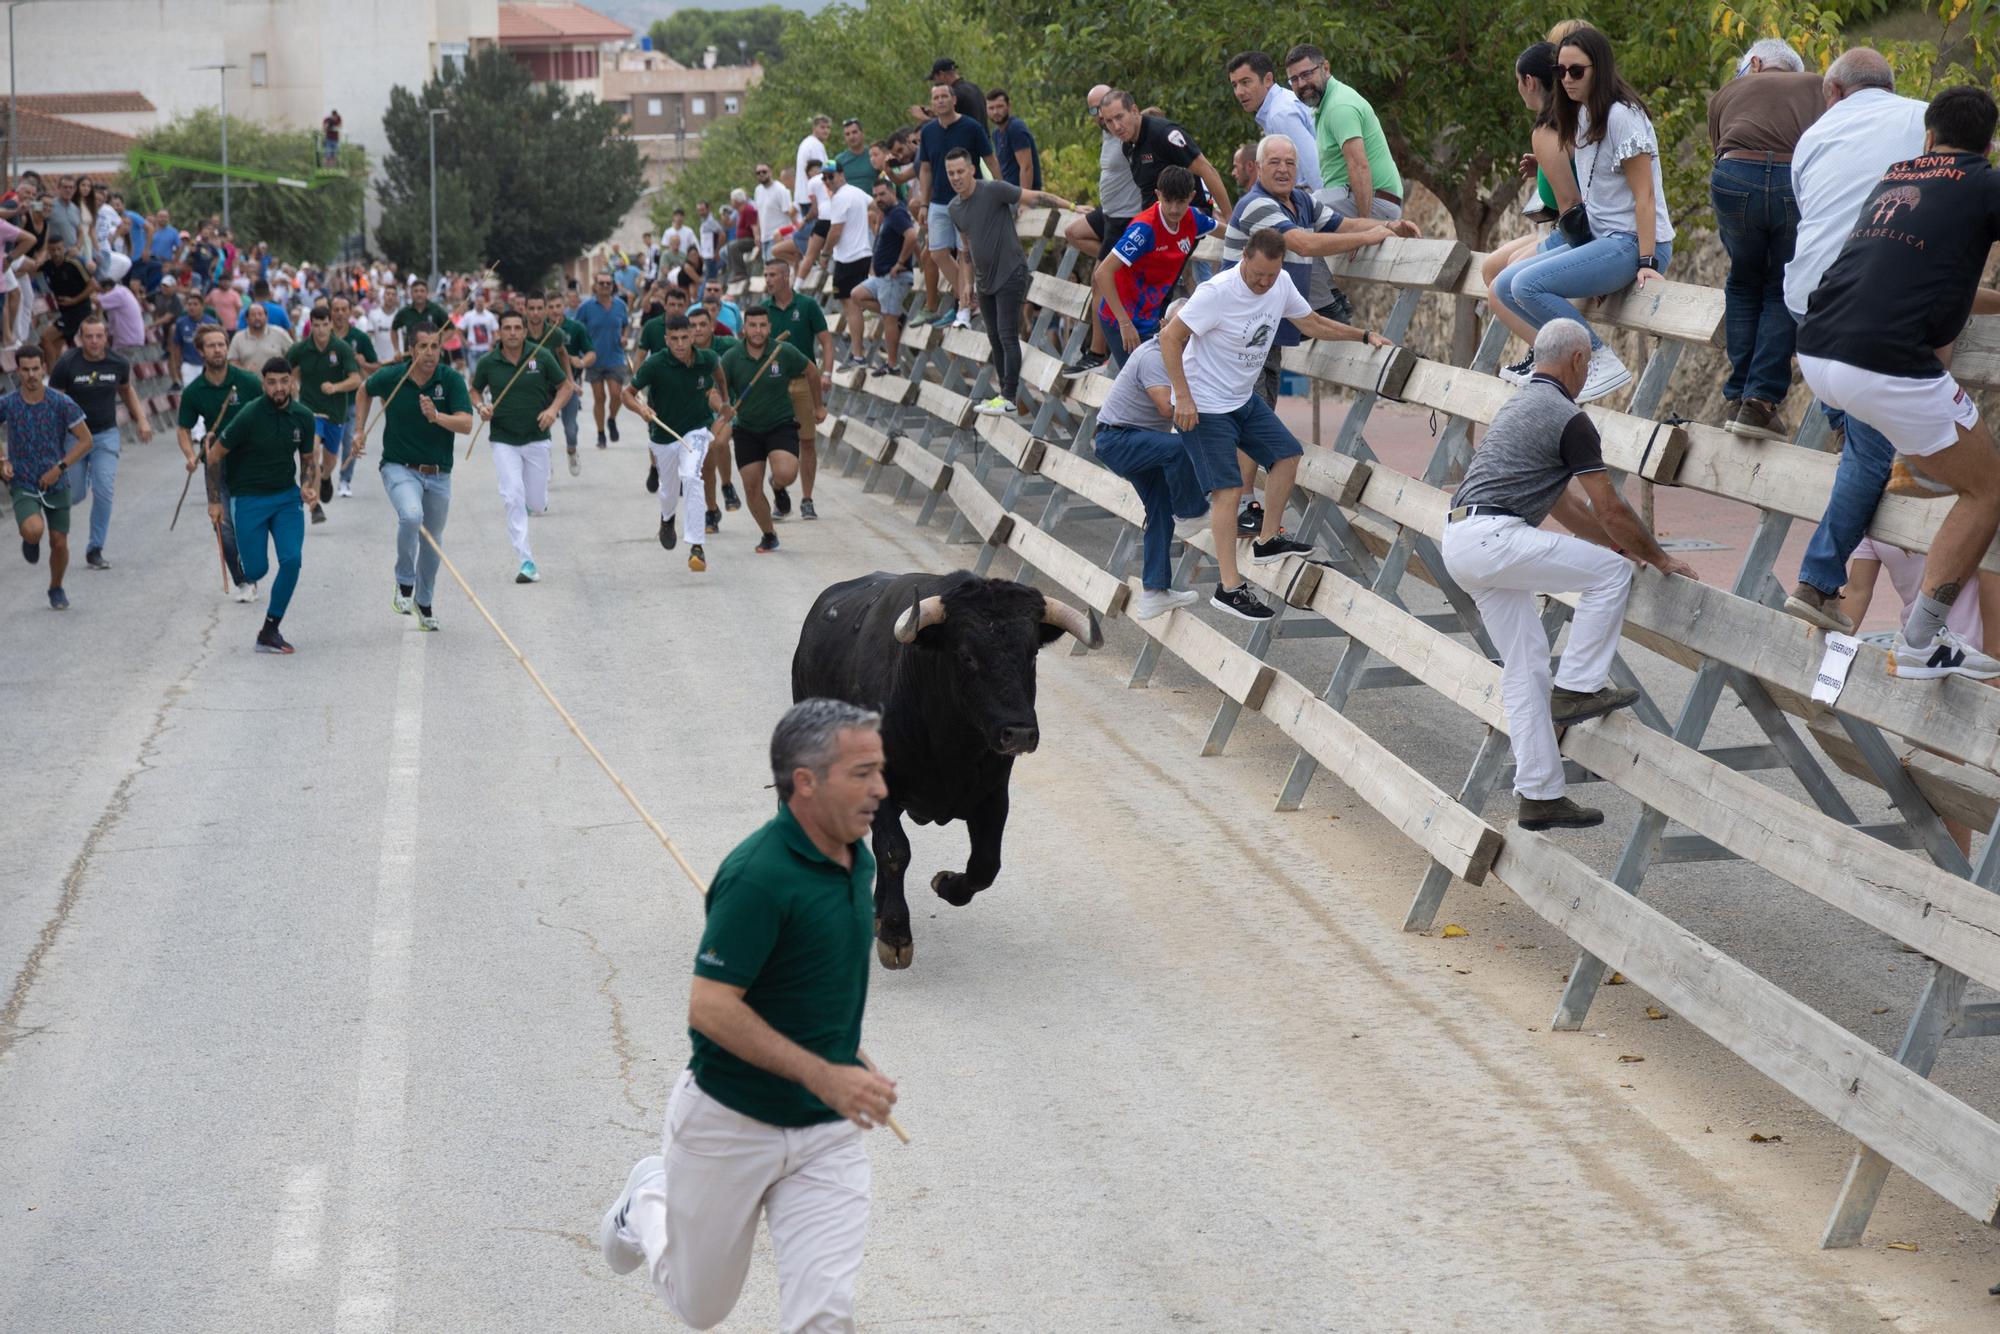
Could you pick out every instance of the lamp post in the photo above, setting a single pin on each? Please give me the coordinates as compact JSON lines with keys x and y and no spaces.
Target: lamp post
{"x":435,"y":112}
{"x":222,"y":77}
{"x":12,"y":5}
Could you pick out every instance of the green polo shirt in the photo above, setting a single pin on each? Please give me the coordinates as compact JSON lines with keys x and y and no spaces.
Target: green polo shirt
{"x":799,"y":323}
{"x":265,"y":444}
{"x":767,"y":404}
{"x":411,"y":316}
{"x":721,"y":343}
{"x":316,"y":368}
{"x":201,"y":402}
{"x":553,"y":339}
{"x":677,"y":391}
{"x":516,"y":411}
{"x":653,"y":335}
{"x":856,"y":167}
{"x":364,"y":346}
{"x":406,"y":437}
{"x":1345,"y":114}
{"x":577,"y":339}
{"x":793,"y":929}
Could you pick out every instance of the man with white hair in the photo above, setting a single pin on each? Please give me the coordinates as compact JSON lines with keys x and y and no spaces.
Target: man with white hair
{"x":1495,"y":549}
{"x":1754,"y":123}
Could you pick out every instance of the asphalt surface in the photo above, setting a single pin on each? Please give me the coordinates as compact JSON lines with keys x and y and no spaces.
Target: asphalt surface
{"x":341,"y":991}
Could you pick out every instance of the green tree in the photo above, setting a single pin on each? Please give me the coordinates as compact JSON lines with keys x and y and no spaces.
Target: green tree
{"x":739,"y":36}
{"x":296,"y":223}
{"x":528,"y":176}
{"x":1959,"y":41}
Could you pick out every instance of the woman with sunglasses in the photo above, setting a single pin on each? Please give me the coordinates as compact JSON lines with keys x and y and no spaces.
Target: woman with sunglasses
{"x":1555,"y":189}
{"x":1623,"y":235}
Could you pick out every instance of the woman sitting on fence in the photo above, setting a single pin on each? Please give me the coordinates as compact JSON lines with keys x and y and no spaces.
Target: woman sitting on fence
{"x":1620,"y":233}
{"x":1555,"y":190}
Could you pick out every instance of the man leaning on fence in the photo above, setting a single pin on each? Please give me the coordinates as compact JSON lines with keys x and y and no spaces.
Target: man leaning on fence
{"x":1495,"y":549}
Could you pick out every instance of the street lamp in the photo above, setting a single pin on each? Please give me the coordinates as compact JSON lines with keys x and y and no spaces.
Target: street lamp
{"x":12,"y":5}
{"x":222,"y":77}
{"x":435,"y":112}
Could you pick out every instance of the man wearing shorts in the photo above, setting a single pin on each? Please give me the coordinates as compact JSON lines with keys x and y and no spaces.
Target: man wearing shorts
{"x":887,"y":290}
{"x":945,"y":131}
{"x":1905,"y":284}
{"x":761,"y":373}
{"x":524,"y":390}
{"x":797,"y":319}
{"x":1118,"y":202}
{"x":267,"y":454}
{"x":847,"y":231}
{"x":604,"y":317}
{"x":1214,"y":352}
{"x":684,"y":393}
{"x":329,"y":373}
{"x":33,"y":464}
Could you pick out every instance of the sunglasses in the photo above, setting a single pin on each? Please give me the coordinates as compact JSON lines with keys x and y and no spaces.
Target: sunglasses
{"x":1573,"y":71}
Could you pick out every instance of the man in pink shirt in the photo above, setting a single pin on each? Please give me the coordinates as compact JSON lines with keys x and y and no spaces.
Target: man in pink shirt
{"x":124,"y":317}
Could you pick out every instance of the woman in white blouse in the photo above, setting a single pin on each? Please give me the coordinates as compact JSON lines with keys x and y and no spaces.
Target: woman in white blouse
{"x":1602,"y":122}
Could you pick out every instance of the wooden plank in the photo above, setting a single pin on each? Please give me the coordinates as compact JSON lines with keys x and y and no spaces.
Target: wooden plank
{"x":1042,"y":371}
{"x":1956,"y":791}
{"x":923,"y":465}
{"x":1405,"y":262}
{"x":1095,"y":483}
{"x":1465,"y":844}
{"x":890,"y":389}
{"x":851,"y":378}
{"x":1088,"y":392}
{"x":965,"y":343}
{"x":954,"y":410}
{"x":978,"y":506}
{"x":868,"y":442}
{"x":918,"y":339}
{"x":1948,"y":1146}
{"x":1214,"y":656}
{"x":1353,"y":366}
{"x":1666,"y":309}
{"x":1340,"y":478}
{"x":1059,"y":295}
{"x":1012,"y":442}
{"x":1032,"y":224}
{"x":1096,"y":588}
{"x":1975,"y":359}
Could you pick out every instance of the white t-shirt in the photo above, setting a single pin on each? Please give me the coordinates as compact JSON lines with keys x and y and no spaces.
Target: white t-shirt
{"x":810,"y":148}
{"x":480,"y":328}
{"x":1233,"y":332}
{"x":678,"y":238}
{"x":375,"y":322}
{"x":816,"y":195}
{"x":848,"y":209}
{"x":1600,"y":169}
{"x":711,"y":236}
{"x":774,"y":205}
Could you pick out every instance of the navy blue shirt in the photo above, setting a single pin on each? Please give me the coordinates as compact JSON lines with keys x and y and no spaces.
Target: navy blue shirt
{"x":889,"y":239}
{"x":184,"y":330}
{"x":1010,"y":139}
{"x":936,"y":140}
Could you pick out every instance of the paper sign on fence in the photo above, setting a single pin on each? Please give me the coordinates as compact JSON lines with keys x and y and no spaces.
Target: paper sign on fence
{"x":1833,"y":667}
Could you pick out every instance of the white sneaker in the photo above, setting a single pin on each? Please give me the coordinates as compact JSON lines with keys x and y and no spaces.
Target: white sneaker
{"x":964,"y":320}
{"x":245,"y":593}
{"x":401,"y":602}
{"x":1520,"y":372}
{"x":995,"y":406}
{"x":344,"y":490}
{"x":1947,"y":655}
{"x":614,"y":1235}
{"x":1189,"y":529}
{"x":1159,"y":601}
{"x":1607,"y":375}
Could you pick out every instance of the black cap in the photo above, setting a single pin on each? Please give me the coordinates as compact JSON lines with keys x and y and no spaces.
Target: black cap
{"x":942,"y":64}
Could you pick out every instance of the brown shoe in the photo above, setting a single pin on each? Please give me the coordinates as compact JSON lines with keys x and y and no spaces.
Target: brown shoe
{"x":1817,"y":608}
{"x":1730,"y":407}
{"x":1561,"y":813}
{"x":1755,"y":417}
{"x":1574,"y":706}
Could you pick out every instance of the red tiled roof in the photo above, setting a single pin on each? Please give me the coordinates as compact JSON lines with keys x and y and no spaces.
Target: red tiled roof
{"x":557,"y":24}
{"x":44,"y":136}
{"x":84,"y":104}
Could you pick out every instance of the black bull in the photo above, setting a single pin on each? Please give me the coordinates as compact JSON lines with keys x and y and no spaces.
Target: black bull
{"x":948,"y":660}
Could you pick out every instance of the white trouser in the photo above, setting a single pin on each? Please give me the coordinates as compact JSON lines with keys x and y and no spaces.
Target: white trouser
{"x":1504,"y":563}
{"x":697,"y":1221}
{"x":189,"y":370}
{"x":523,"y":474}
{"x":679,"y":463}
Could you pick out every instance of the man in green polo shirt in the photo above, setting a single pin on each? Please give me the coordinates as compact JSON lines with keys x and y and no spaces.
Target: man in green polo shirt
{"x":207,"y":403}
{"x":684,"y":392}
{"x":356,"y":337}
{"x":714,"y":468}
{"x":797,"y":319}
{"x":420,"y":414}
{"x":762,"y":373}
{"x":268,"y":459}
{"x":523,"y":390}
{"x":768,"y":1116}
{"x":573,"y":340}
{"x":653,"y":333}
{"x":328,"y":375}
{"x":419,"y":309}
{"x":1360,"y":177}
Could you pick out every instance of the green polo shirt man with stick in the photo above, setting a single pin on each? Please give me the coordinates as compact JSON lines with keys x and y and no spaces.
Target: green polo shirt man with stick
{"x":328,"y":374}
{"x":522,"y":390}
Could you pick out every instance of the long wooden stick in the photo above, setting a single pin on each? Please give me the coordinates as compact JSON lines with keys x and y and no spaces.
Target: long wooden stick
{"x":220,"y":554}
{"x":526,"y":362}
{"x":673,"y":849}
{"x":202,"y":455}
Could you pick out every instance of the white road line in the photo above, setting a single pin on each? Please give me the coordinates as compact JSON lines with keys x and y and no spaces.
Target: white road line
{"x":375,"y":1166}
{"x":295,"y":1252}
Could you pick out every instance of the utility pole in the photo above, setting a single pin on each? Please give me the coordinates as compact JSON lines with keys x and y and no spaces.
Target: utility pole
{"x":222,"y":72}
{"x":435,"y":112}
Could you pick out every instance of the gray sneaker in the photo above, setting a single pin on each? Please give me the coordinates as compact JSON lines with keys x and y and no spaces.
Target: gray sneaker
{"x":1817,"y":608}
{"x":1574,"y":706}
{"x":1561,"y":813}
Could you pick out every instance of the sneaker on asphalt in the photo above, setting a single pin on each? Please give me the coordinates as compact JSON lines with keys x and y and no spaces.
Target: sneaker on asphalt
{"x":1947,"y":655}
{"x":245,"y":592}
{"x":1276,"y":548}
{"x":806,"y":510}
{"x":1558,"y":813}
{"x":668,"y":538}
{"x":712,"y":521}
{"x":1574,"y":706}
{"x":781,"y":501}
{"x":1758,"y":419}
{"x":653,"y":479}
{"x":270,"y":641}
{"x":401,"y":603}
{"x":600,"y":440}
{"x":319,"y":515}
{"x":58,"y":600}
{"x":528,"y":574}
{"x":575,"y":466}
{"x":613,"y":425}
{"x":1084,"y":364}
{"x":325,"y":489}
{"x":1250,"y":520}
{"x":1159,"y":601}
{"x":31,"y":552}
{"x":1240,"y":601}
{"x":1520,"y":372}
{"x":344,"y":490}
{"x":767,"y":544}
{"x":697,"y":558}
{"x":426,"y":619}
{"x":1607,"y":375}
{"x":730,"y":500}
{"x":1817,"y":608}
{"x":94,"y":558}
{"x":615,"y":1237}
{"x":993,"y":407}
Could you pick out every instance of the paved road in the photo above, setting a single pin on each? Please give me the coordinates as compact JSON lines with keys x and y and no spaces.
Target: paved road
{"x":339,"y":992}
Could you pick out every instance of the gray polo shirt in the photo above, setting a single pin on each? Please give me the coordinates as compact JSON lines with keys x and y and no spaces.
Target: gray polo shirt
{"x":1538,"y":440}
{"x":1118,"y":194}
{"x":1128,"y":403}
{"x":985,"y":218}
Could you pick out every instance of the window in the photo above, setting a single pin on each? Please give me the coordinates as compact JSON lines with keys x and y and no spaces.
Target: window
{"x":700,"y":107}
{"x":260,"y":70}
{"x":729,"y":105}
{"x":451,"y":56}
{"x":653,"y":107}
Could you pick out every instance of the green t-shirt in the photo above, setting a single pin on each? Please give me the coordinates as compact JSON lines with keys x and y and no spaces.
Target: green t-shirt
{"x":856,"y":167}
{"x":678,"y":391}
{"x":767,"y":403}
{"x":265,"y":444}
{"x":202,"y":402}
{"x":1345,"y":114}
{"x":411,"y":316}
{"x":516,"y":410}
{"x":793,"y":929}
{"x":578,"y":338}
{"x":653,"y":335}
{"x":798,"y":323}
{"x":406,"y":437}
{"x":364,"y":346}
{"x":553,"y":339}
{"x":316,"y":368}
{"x":721,"y":343}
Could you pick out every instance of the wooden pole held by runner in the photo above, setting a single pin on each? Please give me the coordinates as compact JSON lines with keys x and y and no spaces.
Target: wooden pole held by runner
{"x":203,"y":461}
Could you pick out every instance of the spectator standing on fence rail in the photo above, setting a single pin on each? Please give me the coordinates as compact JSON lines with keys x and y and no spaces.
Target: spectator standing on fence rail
{"x":1495,"y":549}
{"x":886,"y":290}
{"x":1904,"y":285}
{"x":1865,"y":129}
{"x":1214,"y":350}
{"x":1254,"y":81}
{"x":1139,"y":272}
{"x":982,"y":213}
{"x":945,"y":133}
{"x":1360,"y":175}
{"x":1118,"y":202}
{"x":1754,"y":124}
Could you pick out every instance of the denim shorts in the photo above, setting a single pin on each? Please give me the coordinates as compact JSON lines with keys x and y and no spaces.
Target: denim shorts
{"x":943,"y":236}
{"x":889,"y":293}
{"x":1252,"y":428}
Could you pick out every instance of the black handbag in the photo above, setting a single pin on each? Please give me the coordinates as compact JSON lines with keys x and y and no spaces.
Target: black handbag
{"x":1574,"y":224}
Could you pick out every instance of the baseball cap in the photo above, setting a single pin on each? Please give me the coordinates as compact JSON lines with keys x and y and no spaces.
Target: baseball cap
{"x":829,"y":168}
{"x":943,"y":64}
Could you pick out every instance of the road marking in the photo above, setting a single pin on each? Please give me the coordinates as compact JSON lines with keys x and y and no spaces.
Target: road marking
{"x":375,"y":1166}
{"x":295,"y":1253}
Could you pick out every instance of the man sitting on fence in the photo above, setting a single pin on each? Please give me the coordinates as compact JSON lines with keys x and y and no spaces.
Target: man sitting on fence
{"x":1495,"y":549}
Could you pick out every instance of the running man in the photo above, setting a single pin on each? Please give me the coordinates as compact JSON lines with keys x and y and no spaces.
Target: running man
{"x":551,"y":332}
{"x":653,"y":333}
{"x":797,"y":319}
{"x":33,"y":464}
{"x":98,"y":379}
{"x":604,"y":318}
{"x":328,"y":375}
{"x":523,"y":390}
{"x":426,"y":404}
{"x":768,"y":1116}
{"x":208,"y":403}
{"x":714,"y":468}
{"x":271,"y":465}
{"x":765,"y":428}
{"x":419,"y":310}
{"x":684,"y":392}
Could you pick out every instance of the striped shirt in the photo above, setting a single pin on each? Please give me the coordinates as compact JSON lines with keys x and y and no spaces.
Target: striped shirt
{"x":1258,"y":210}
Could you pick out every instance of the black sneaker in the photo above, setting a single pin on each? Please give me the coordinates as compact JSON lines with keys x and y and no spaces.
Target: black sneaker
{"x":1558,"y":813}
{"x":613,"y":424}
{"x":600,"y":440}
{"x":319,"y":515}
{"x":667,"y":537}
{"x":697,"y":558}
{"x":730,"y":500}
{"x":1275,"y":549}
{"x":270,"y":641}
{"x":768,"y":543}
{"x":1342,"y":305}
{"x":1250,"y":520}
{"x":781,"y":501}
{"x":806,"y":510}
{"x":1520,"y":372}
{"x":325,"y":489}
{"x":58,"y":599}
{"x":1240,"y":601}
{"x":712,"y":520}
{"x":653,"y":479}
{"x":94,"y":558}
{"x":31,"y":552}
{"x":1085,"y":364}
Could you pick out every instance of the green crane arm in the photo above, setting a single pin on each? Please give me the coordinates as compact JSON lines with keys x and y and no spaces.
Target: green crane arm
{"x":140,"y":159}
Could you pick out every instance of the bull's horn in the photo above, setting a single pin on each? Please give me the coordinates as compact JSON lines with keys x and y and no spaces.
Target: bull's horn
{"x":928,"y":612}
{"x":1068,"y":618}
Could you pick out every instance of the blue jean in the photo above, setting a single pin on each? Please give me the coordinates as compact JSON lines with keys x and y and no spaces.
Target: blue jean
{"x":1858,"y":484}
{"x":97,"y":472}
{"x":1252,"y":428}
{"x":282,"y":519}
{"x":1115,"y":341}
{"x":570,"y":410}
{"x":1541,"y":287}
{"x":422,"y":500}
{"x":1757,"y":217}
{"x":1159,"y":469}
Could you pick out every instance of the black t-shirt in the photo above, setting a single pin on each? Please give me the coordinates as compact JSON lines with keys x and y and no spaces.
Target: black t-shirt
{"x":1903,"y":284}
{"x":971,"y":102}
{"x":67,"y":281}
{"x":93,"y":384}
{"x":1162,"y":144}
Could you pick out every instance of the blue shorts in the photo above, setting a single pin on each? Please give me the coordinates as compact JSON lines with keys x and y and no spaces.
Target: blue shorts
{"x":332,"y":435}
{"x":1252,"y":428}
{"x":942,"y":235}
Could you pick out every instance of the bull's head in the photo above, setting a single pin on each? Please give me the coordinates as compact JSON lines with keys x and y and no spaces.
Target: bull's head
{"x":985,"y":642}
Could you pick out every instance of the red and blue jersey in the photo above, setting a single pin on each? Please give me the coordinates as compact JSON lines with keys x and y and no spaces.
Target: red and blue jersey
{"x":1152,"y":258}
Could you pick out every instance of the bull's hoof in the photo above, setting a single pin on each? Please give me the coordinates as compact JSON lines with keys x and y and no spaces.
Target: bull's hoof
{"x":894,"y":956}
{"x":953,"y":888}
